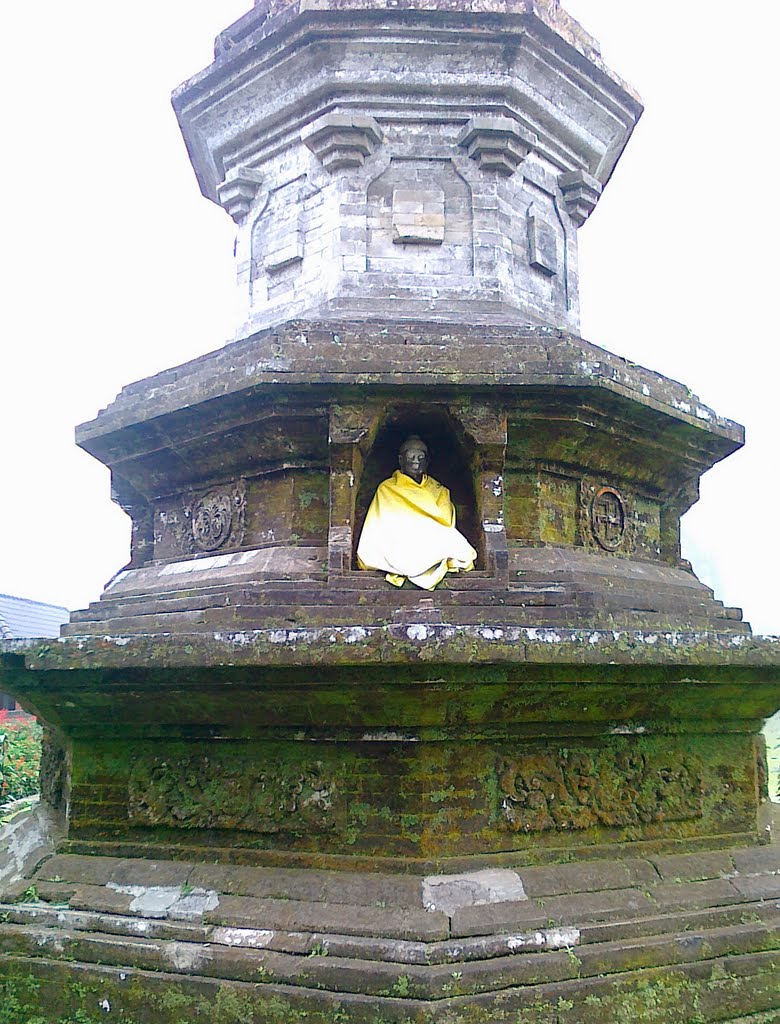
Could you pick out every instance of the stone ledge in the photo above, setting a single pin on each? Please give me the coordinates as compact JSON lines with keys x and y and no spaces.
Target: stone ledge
{"x":411,"y":643}
{"x":379,"y":352}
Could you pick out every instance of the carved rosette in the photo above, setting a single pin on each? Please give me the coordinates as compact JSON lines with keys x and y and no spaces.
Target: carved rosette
{"x":568,"y":789}
{"x":200,"y":791}
{"x":217,"y":517}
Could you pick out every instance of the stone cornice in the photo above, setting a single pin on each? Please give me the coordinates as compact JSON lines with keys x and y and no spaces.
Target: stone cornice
{"x":713,"y":657}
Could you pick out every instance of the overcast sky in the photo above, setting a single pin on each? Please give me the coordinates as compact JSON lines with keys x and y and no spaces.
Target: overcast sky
{"x":116,"y":267}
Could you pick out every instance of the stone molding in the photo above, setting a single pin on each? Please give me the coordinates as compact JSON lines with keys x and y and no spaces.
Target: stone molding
{"x":497,"y":143}
{"x":581,"y":192}
{"x":342,"y":140}
{"x":238,"y":191}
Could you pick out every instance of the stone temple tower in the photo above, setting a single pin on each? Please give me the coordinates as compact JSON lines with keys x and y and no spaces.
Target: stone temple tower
{"x":282,"y":789}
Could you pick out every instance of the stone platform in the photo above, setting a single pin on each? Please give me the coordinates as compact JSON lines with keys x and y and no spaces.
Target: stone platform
{"x":432,"y":743}
{"x":654,"y":938}
{"x":287,"y":590}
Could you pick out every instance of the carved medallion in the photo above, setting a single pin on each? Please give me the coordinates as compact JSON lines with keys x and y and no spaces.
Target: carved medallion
{"x":608,"y":518}
{"x":216,"y":516}
{"x":207,"y":792}
{"x":212,"y":518}
{"x":581,"y":789}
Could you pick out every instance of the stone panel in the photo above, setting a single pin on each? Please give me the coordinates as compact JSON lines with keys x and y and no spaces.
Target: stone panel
{"x":402,"y":794}
{"x":445,"y":255}
{"x":557,"y":509}
{"x":580,"y":789}
{"x":211,"y":791}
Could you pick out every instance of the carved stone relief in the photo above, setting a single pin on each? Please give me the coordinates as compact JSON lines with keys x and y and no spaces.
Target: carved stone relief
{"x":608,"y":518}
{"x":202,"y":522}
{"x":581,"y":789}
{"x":218,"y":516}
{"x":205,"y":792}
{"x":212,"y":520}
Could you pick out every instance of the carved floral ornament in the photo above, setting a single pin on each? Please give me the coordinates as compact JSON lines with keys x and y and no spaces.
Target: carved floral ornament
{"x":200,"y":791}
{"x":217,"y":516}
{"x":578,"y":789}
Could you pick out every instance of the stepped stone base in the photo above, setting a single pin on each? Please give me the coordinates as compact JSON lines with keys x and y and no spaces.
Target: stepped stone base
{"x":283,"y":588}
{"x":662,"y":939}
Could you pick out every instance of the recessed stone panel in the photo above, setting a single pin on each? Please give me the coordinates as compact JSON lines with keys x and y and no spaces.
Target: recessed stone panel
{"x":578,"y":789}
{"x":418,"y":216}
{"x":420,"y":221}
{"x":542,"y":245}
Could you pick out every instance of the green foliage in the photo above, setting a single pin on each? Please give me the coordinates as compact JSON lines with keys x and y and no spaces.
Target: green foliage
{"x":20,"y":757}
{"x":401,"y":987}
{"x":233,"y":1007}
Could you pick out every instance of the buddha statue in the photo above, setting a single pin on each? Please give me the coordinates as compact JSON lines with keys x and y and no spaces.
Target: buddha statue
{"x":409,"y":532}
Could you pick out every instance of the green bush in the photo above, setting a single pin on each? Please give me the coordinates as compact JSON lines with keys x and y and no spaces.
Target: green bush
{"x":20,"y":757}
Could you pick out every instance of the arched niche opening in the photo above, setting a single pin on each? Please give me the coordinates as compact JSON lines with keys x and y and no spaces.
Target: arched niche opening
{"x":452,"y":458}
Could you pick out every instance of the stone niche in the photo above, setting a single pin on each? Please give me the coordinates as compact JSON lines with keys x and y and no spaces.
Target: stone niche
{"x":466,"y":442}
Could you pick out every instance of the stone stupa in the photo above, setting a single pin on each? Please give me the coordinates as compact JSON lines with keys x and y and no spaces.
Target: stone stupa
{"x":277,"y":788}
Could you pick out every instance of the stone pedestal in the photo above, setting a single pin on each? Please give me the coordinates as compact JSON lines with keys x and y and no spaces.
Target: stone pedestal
{"x":291,"y":792}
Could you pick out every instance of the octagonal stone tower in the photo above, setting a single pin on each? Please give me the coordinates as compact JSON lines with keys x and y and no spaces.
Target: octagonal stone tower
{"x":437,"y":165}
{"x":537,"y":793}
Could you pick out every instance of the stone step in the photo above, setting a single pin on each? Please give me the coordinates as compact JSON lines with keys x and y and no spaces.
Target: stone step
{"x":222,"y":956}
{"x":302,"y":595}
{"x":241,"y":618}
{"x":266,"y":596}
{"x":744,"y":994}
{"x":399,"y":951}
{"x":586,"y":927}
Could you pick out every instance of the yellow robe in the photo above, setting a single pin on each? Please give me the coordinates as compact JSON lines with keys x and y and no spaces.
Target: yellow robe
{"x":409,"y":533}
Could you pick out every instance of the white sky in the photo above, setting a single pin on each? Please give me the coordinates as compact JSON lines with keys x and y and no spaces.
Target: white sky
{"x":115,"y":267}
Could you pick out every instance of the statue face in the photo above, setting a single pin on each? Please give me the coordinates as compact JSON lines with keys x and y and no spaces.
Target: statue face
{"x":413,"y":459}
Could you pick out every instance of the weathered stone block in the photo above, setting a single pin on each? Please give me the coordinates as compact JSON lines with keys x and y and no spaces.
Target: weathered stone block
{"x":238,"y":191}
{"x":418,"y":216}
{"x":542,"y":245}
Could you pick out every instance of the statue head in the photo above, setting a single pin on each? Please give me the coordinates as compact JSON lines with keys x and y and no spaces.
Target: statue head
{"x":413,"y":458}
